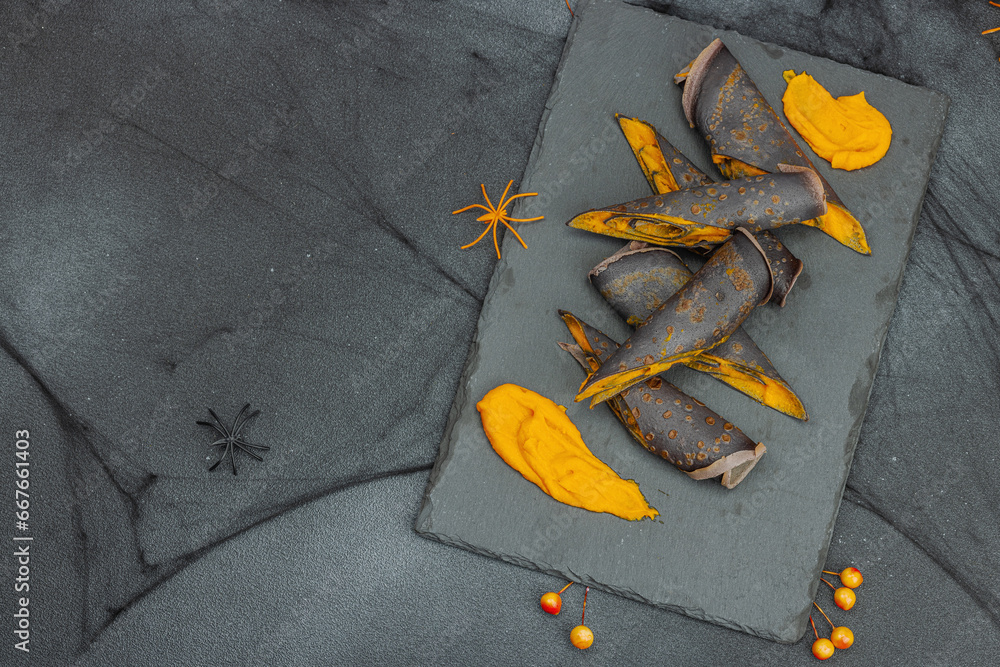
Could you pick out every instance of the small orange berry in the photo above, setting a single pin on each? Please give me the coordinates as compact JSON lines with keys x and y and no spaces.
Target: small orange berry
{"x":552,"y":603}
{"x":581,"y":636}
{"x":842,"y":637}
{"x":822,"y":648}
{"x":844,"y":598}
{"x":851,"y":577}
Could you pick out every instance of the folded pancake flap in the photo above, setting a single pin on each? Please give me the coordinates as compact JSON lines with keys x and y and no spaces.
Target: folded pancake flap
{"x":667,"y":422}
{"x":638,"y":279}
{"x":785,"y":267}
{"x":746,"y":136}
{"x":705,"y":215}
{"x":702,"y":314}
{"x":666,"y":168}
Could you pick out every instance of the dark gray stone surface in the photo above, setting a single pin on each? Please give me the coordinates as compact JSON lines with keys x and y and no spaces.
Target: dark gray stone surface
{"x":711,"y":549}
{"x":386,"y":85}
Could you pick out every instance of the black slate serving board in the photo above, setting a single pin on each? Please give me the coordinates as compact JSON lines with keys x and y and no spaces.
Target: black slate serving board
{"x":748,"y":558}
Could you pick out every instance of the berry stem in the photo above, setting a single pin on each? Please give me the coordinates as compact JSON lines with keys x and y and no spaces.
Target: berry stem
{"x":824,"y":615}
{"x":584,"y":614}
{"x":815,"y":632}
{"x":825,"y":582}
{"x":565,"y":587}
{"x":828,"y":572}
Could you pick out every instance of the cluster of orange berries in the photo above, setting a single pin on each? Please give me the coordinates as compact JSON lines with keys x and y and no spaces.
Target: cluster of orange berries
{"x":844,"y":597}
{"x":581,"y":636}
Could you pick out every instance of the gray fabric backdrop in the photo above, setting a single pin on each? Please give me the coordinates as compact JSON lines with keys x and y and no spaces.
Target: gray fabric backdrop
{"x":210,"y":203}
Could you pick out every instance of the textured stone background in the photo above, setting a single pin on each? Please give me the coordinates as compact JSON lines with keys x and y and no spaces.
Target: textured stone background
{"x":219,"y":202}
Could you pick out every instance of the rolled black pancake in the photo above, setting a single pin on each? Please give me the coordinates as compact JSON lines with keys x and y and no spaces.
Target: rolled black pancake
{"x":747,"y":137}
{"x":702,"y":314}
{"x":785,"y":267}
{"x":668,"y":422}
{"x":667,"y":169}
{"x":705,"y":216}
{"x":639,"y":278}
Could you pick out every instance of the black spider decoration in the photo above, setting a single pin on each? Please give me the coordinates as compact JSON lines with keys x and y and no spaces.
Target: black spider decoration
{"x":232,"y":439}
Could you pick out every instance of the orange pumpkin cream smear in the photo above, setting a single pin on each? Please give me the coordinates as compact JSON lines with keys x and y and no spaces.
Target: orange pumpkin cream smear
{"x":536,"y":438}
{"x":846,"y":131}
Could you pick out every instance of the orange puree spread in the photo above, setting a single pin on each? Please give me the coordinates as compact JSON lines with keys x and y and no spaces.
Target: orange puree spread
{"x":846,"y":131}
{"x":536,"y":438}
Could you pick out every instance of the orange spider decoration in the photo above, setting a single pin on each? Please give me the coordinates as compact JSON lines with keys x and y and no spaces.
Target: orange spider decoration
{"x":498,"y":213}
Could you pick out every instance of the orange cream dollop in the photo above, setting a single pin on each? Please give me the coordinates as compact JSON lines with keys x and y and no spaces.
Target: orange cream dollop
{"x":846,"y":131}
{"x":536,"y":438}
